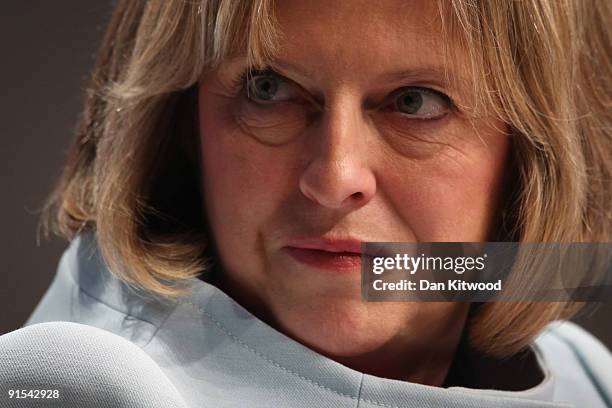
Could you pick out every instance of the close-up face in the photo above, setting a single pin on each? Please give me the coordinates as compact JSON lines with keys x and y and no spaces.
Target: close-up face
{"x":360,"y":130}
{"x":292,"y":203}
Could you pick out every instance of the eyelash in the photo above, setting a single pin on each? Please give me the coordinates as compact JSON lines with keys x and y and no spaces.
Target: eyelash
{"x":240,"y":81}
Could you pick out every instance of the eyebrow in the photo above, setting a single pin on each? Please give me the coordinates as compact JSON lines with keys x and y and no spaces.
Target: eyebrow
{"x":433,"y":74}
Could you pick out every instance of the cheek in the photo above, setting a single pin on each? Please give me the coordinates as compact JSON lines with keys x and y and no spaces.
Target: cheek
{"x":453,"y":196}
{"x":242,"y":185}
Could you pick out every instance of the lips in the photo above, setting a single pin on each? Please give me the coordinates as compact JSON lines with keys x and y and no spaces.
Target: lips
{"x":328,"y":244}
{"x":332,"y":254}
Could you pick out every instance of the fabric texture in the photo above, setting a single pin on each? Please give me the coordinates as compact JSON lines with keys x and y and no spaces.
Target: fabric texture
{"x":88,"y":367}
{"x":217,"y":354}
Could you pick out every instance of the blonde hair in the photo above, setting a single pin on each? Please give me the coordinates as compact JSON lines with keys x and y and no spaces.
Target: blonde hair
{"x":132,"y":173}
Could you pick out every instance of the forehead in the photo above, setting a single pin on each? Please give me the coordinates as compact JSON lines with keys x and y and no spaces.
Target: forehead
{"x":363,"y":39}
{"x":361,"y":19}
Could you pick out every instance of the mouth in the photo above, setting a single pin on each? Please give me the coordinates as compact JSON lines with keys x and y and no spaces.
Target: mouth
{"x":332,"y":254}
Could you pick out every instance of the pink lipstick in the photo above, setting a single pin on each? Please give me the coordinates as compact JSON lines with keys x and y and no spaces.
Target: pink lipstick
{"x":334,"y":254}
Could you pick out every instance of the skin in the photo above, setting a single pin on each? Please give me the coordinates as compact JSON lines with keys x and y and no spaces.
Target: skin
{"x":333,"y":154}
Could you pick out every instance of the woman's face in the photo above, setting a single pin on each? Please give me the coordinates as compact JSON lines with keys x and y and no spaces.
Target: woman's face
{"x":356,"y":134}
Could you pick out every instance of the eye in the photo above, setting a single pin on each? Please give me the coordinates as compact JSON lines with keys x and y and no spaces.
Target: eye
{"x":421,"y":103}
{"x":268,"y":86}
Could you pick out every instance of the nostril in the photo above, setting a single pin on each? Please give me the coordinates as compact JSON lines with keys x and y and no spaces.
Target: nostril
{"x":355,"y":199}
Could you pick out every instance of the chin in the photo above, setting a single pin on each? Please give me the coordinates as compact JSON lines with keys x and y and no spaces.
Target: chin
{"x":344,"y":329}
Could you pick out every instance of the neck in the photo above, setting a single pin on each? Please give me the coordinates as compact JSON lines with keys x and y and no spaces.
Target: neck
{"x":426,"y":363}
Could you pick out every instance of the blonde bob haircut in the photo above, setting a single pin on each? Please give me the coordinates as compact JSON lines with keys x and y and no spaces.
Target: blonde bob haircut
{"x":133,"y":172}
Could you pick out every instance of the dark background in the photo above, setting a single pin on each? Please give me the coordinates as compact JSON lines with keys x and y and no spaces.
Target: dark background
{"x":47,"y":49}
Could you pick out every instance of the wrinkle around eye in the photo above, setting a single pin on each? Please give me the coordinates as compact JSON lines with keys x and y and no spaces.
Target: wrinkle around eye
{"x":417,"y":138}
{"x":271,"y":125}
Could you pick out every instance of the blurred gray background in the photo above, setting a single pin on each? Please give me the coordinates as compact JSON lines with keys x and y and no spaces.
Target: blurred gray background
{"x":47,"y":50}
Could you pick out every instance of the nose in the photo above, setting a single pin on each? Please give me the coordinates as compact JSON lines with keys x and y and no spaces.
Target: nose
{"x":338,"y":176}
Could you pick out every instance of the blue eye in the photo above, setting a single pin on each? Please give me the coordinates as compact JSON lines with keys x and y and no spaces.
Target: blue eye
{"x":264,"y":87}
{"x":267,"y":86}
{"x":421,"y":103}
